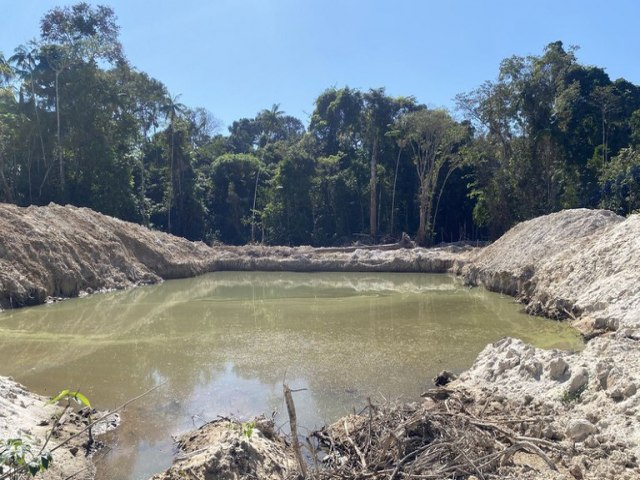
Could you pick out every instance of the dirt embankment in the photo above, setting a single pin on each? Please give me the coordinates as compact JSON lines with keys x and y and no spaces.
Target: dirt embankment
{"x":57,"y":251}
{"x":571,"y":264}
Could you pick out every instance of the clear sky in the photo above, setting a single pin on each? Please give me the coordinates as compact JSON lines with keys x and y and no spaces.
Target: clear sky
{"x":236,"y":57}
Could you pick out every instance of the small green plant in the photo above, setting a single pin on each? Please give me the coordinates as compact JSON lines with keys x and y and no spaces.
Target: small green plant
{"x":16,"y":456}
{"x":70,"y":396}
{"x":246,"y":428}
{"x":570,"y":397}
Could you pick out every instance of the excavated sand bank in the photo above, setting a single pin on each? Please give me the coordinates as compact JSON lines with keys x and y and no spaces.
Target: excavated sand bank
{"x":573,"y":264}
{"x":583,"y":265}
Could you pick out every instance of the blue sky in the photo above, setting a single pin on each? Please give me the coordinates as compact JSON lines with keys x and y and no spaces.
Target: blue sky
{"x":236,"y":57}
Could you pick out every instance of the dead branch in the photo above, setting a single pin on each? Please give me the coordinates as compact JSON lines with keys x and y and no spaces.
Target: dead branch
{"x":293,"y":422}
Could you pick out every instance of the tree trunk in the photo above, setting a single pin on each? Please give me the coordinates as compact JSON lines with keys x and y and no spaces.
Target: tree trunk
{"x":143,"y":193}
{"x":373,"y":207}
{"x":435,"y":212}
{"x":170,"y":183}
{"x":422,"y":227}
{"x":425,"y":227}
{"x":253,"y":208}
{"x":605,"y":138}
{"x":35,"y":108}
{"x":393,"y":195}
{"x":60,"y":159}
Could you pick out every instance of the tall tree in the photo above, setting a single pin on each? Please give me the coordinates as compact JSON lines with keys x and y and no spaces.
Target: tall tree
{"x":172,"y":110}
{"x":336,"y":121}
{"x":26,"y":60}
{"x":7,"y":125}
{"x":72,"y":35}
{"x":335,"y":135}
{"x":378,"y":113}
{"x":433,"y":138}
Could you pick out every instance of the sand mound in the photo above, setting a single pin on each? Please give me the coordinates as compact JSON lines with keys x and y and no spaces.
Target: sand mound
{"x":59,"y":251}
{"x":226,"y":450}
{"x":583,"y":265}
{"x":574,"y":263}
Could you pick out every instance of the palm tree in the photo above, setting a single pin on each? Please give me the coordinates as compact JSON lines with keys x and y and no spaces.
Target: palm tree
{"x":25,"y":60}
{"x":271,"y":123}
{"x":172,"y":110}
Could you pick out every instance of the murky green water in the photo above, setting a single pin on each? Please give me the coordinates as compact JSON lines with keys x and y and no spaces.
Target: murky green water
{"x":224,"y":342}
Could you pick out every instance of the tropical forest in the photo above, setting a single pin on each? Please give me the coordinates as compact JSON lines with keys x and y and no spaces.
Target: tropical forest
{"x":80,"y":124}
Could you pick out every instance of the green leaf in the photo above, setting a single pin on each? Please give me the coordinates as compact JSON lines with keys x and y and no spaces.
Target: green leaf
{"x":60,"y":396}
{"x":34,"y":467}
{"x":82,"y":399}
{"x":45,"y":460}
{"x":68,"y":394}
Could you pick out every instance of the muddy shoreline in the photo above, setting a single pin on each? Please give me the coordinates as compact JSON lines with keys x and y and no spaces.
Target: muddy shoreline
{"x":580,"y":265}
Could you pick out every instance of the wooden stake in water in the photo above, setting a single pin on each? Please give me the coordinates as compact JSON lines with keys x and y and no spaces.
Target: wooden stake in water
{"x":293,"y":422}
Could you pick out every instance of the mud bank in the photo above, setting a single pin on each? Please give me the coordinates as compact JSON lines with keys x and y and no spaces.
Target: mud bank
{"x":59,"y":252}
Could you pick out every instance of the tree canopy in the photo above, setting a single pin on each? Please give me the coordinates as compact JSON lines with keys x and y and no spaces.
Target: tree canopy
{"x":79,"y":124}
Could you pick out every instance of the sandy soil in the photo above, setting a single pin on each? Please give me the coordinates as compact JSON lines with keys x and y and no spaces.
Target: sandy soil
{"x":226,"y":450}
{"x":582,"y":265}
{"x":29,"y":417}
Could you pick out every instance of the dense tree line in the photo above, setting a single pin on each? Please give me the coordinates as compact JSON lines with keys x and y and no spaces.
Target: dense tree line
{"x":80,"y":125}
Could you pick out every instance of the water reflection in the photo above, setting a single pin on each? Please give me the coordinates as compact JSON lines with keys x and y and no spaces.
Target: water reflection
{"x":224,"y":342}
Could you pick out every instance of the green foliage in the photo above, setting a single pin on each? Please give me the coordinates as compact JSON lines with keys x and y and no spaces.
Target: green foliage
{"x":546,"y":129}
{"x":620,"y":182}
{"x":69,"y":396}
{"x":234,"y":177}
{"x":288,"y":217}
{"x":246,"y":429}
{"x":435,"y":140}
{"x":79,"y":125}
{"x":16,"y":455}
